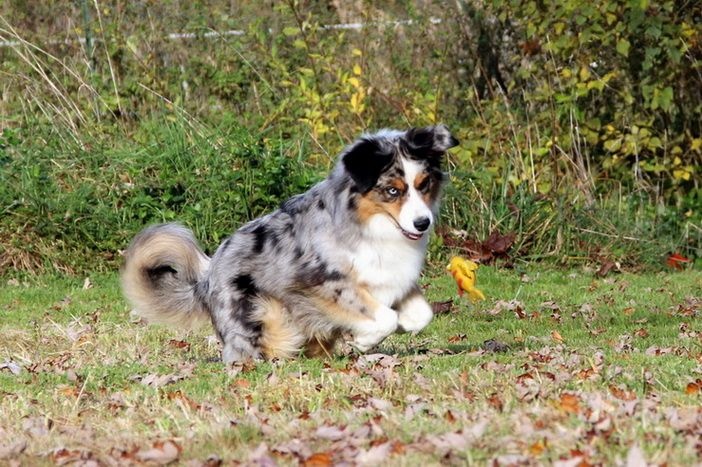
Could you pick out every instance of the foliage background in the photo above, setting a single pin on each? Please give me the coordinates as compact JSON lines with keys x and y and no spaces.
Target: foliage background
{"x":579,"y":121}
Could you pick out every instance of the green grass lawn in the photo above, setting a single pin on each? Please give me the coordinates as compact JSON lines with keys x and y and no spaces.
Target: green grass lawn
{"x":598,"y":370}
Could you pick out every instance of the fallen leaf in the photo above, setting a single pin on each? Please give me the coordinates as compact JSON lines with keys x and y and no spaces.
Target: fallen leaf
{"x":456,"y":338}
{"x":330,"y":432}
{"x":11,"y":366}
{"x":318,"y":459}
{"x":622,"y":394}
{"x":37,"y":426}
{"x":635,"y":457}
{"x":494,"y":346}
{"x":87,"y":284}
{"x":63,"y":456}
{"x":495,"y":402}
{"x":440,"y":308}
{"x":161,"y":452}
{"x":513,"y":305}
{"x":157,"y":381}
{"x":537,"y":448}
{"x":607,"y":267}
{"x":449,"y":416}
{"x":376,"y":455}
{"x":241,"y":383}
{"x":179,"y":344}
{"x":642,"y":332}
{"x":569,"y":403}
{"x":693,"y":387}
{"x":499,"y":244}
{"x":556,"y":336}
{"x":12,"y":449}
{"x":676,"y":261}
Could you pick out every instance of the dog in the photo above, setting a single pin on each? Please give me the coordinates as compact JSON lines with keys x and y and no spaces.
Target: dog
{"x":342,"y":258}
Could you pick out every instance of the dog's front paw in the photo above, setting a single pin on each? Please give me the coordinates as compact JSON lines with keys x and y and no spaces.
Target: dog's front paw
{"x":414,"y":315}
{"x":371,"y":332}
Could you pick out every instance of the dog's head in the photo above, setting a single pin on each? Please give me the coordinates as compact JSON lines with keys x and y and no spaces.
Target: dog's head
{"x":397,"y":177}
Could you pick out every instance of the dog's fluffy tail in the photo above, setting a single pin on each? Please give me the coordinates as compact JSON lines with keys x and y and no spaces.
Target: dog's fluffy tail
{"x":162,"y":276}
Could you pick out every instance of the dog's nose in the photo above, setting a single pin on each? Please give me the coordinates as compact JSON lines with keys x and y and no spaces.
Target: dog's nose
{"x":422,"y":223}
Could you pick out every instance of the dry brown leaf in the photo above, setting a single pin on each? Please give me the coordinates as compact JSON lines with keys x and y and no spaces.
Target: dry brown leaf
{"x":319,"y":459}
{"x":622,"y":394}
{"x":513,"y":305}
{"x":556,"y":336}
{"x":456,"y":338}
{"x":10,"y":366}
{"x":330,"y":432}
{"x":569,"y":403}
{"x":440,"y":308}
{"x":495,"y":402}
{"x":179,"y":344}
{"x":12,"y":449}
{"x":37,"y":426}
{"x":693,"y":387}
{"x":635,"y":457}
{"x":161,"y":452}
{"x":376,"y":455}
{"x":241,"y":383}
{"x":537,"y":448}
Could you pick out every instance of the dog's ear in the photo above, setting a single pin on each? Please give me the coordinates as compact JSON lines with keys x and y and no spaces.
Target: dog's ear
{"x":431,"y":142}
{"x":365,"y":160}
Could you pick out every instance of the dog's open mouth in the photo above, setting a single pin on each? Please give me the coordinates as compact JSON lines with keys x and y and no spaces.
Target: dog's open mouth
{"x":410,"y":235}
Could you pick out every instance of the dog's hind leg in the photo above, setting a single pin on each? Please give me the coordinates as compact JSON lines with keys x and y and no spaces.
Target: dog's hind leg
{"x":237,"y":327}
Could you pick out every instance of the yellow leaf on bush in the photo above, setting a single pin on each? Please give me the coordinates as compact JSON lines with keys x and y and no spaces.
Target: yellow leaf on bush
{"x":681,"y":174}
{"x":357,"y":69}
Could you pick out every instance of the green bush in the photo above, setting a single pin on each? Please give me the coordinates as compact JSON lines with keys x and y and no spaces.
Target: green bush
{"x":579,"y":122}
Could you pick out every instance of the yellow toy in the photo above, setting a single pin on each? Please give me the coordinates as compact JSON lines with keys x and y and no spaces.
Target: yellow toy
{"x":464,"y":271}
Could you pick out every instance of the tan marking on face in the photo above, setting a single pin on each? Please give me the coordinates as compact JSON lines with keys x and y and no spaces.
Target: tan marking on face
{"x":428,"y":187}
{"x":368,"y":206}
{"x":377,"y":201}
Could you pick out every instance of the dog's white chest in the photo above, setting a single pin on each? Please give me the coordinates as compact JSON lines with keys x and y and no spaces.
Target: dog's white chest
{"x":388,"y":264}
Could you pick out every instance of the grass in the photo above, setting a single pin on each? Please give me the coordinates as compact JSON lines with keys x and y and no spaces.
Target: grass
{"x":599,"y":369}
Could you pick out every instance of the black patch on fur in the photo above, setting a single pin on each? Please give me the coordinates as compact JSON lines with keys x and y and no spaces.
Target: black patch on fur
{"x":260,"y":234}
{"x":274,"y":238}
{"x":245,"y":284}
{"x":156,"y":273}
{"x":292,"y":206}
{"x":298,"y":252}
{"x":429,"y":143}
{"x":320,"y":205}
{"x":352,"y":204}
{"x":365,"y":161}
{"x":316,"y":275}
{"x":245,"y":309}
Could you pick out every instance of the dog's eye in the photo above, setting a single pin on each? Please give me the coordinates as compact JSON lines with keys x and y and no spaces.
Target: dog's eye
{"x":392,"y":192}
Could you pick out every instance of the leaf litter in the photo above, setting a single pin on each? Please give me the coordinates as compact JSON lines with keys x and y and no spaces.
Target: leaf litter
{"x":546,"y":401}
